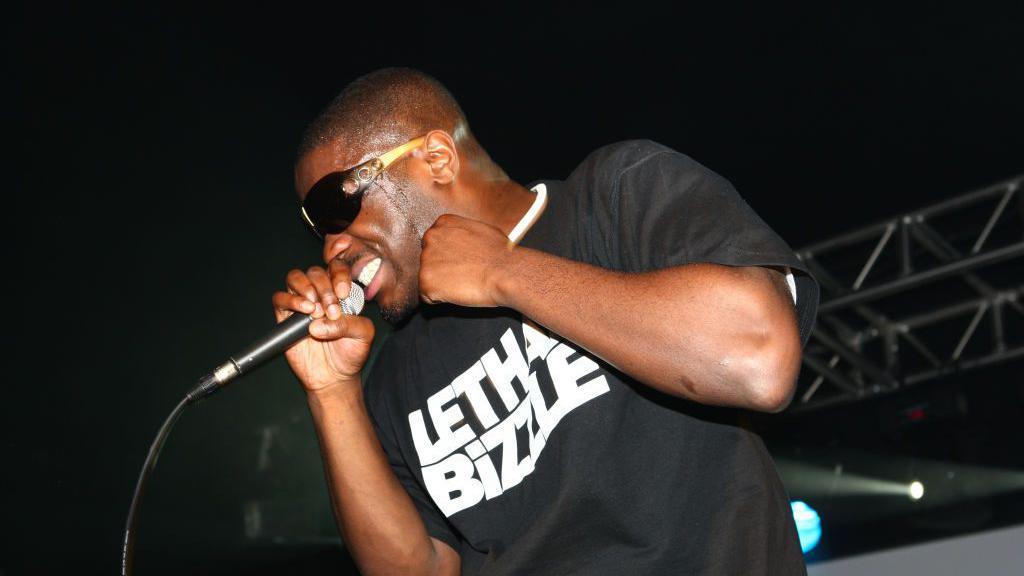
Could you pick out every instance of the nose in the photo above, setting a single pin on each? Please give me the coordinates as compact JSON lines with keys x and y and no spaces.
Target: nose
{"x":337,"y":244}
{"x":352,"y":240}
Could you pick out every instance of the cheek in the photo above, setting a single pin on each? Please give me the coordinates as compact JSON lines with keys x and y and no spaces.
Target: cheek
{"x":413,"y":203}
{"x":398,"y":237}
{"x":405,"y":215}
{"x":407,"y":248}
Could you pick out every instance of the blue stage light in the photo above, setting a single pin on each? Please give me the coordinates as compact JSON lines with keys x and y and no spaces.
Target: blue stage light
{"x":808,"y":525}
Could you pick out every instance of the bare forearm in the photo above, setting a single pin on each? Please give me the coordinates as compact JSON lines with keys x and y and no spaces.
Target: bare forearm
{"x":699,"y":331}
{"x":376,"y":517}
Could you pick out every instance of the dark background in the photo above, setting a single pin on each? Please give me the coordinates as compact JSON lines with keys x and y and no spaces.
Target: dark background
{"x":152,"y":213}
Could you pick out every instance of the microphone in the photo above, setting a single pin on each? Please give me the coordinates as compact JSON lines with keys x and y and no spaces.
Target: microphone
{"x":288,"y":332}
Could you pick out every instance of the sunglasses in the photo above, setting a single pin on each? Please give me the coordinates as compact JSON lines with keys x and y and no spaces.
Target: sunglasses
{"x":333,"y":203}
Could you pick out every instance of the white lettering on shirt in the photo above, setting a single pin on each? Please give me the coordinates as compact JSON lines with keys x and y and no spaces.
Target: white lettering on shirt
{"x":460,"y":469}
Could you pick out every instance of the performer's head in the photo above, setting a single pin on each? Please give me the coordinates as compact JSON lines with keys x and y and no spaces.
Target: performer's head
{"x":386,"y":218}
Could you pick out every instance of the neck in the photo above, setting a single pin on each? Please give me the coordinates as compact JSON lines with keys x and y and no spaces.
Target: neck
{"x":500,"y":203}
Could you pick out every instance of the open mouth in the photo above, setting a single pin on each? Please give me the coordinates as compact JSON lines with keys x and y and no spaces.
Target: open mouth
{"x":367,"y":275}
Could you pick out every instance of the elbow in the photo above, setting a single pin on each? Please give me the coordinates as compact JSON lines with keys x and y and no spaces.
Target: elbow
{"x":769,"y":382}
{"x":771,"y":396}
{"x":762,"y":381}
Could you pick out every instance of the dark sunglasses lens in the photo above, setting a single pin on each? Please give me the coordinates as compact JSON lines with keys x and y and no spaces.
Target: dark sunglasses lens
{"x":329,"y":208}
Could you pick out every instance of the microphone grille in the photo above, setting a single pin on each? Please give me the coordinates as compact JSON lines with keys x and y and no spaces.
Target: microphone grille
{"x":355,"y":301}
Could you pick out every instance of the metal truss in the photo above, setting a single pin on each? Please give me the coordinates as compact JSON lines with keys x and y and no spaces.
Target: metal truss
{"x":906,"y":300}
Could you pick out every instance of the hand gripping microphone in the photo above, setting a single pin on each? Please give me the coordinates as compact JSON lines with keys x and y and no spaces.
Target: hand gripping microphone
{"x":288,"y":332}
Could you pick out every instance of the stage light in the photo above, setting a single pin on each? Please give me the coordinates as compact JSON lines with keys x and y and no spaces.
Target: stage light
{"x":915,"y":490}
{"x":813,"y":481}
{"x":808,"y":525}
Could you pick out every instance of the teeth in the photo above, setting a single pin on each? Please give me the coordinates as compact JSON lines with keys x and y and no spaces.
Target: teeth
{"x":368,"y":272}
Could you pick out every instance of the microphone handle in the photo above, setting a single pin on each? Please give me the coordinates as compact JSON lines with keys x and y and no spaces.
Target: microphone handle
{"x":284,"y":335}
{"x":288,"y":332}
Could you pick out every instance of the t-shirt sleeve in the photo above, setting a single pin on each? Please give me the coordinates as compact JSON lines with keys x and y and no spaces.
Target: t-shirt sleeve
{"x":380,"y":414}
{"x":651,"y":207}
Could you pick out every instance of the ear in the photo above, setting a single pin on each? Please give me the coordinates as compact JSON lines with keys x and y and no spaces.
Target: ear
{"x":441,"y":157}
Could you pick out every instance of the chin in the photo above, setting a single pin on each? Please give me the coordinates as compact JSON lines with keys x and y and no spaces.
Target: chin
{"x":397,"y":312}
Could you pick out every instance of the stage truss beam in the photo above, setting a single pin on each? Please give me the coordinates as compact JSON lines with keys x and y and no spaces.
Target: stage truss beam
{"x":863,"y":346}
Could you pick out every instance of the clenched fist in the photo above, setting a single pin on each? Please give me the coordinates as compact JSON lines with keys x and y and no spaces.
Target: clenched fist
{"x":462,"y":261}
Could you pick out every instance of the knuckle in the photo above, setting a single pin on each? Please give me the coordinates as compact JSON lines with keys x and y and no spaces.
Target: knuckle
{"x":365,"y":323}
{"x":334,"y":329}
{"x":294,"y":275}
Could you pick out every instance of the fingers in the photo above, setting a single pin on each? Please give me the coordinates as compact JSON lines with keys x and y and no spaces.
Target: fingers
{"x":345,"y":326}
{"x":341,"y":278}
{"x":311,"y":286}
{"x":316,"y":292}
{"x":459,"y":222}
{"x":452,"y":220}
{"x":328,"y":300}
{"x":298,"y":283}
{"x":285,"y":303}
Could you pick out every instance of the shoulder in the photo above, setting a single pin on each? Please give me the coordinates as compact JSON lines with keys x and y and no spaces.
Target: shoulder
{"x":614,"y":159}
{"x":640,"y":161}
{"x":643,"y":167}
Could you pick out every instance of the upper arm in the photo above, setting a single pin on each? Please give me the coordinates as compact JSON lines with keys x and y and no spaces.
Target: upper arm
{"x":447,"y":560}
{"x":653,"y":208}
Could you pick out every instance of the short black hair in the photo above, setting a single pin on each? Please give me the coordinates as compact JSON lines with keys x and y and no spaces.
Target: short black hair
{"x":386,"y":108}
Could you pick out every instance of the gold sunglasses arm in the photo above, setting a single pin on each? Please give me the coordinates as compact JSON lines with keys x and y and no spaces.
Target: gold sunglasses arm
{"x":390,"y":156}
{"x":306,"y":217}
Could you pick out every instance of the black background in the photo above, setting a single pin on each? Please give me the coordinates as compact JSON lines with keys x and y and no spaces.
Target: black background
{"x":152,"y":213}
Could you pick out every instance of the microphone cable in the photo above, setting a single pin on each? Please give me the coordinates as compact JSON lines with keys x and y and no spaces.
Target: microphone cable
{"x":287,"y":332}
{"x":128,"y":546}
{"x":207,"y":385}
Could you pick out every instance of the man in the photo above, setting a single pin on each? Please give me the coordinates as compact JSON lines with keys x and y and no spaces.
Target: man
{"x":542,"y":413}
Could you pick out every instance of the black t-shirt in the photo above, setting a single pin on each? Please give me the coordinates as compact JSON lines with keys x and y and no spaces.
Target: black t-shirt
{"x":529,"y":456}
